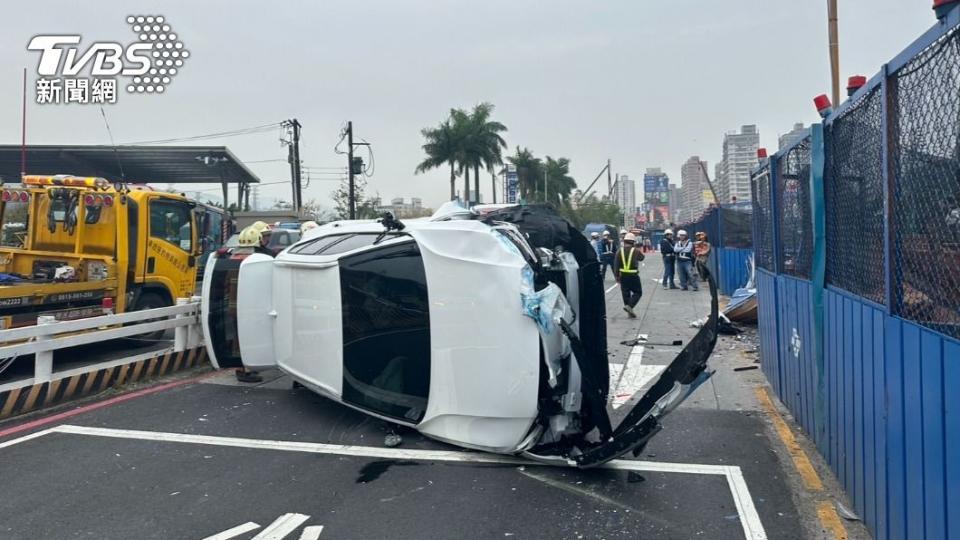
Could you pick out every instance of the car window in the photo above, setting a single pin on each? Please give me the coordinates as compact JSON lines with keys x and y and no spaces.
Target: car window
{"x":386,"y":331}
{"x":341,"y":243}
{"x":171,"y":221}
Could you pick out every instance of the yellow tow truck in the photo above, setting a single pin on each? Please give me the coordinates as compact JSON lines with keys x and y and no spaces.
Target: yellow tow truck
{"x":75,"y":247}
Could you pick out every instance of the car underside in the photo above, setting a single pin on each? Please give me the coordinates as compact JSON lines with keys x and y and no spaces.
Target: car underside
{"x":486,"y":330}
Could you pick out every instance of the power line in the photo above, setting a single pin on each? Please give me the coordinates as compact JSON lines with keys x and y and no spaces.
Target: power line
{"x":218,"y":135}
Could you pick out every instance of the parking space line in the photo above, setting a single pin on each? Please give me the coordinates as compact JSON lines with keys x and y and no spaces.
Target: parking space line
{"x":612,"y":287}
{"x":26,"y":426}
{"x":749,"y":518}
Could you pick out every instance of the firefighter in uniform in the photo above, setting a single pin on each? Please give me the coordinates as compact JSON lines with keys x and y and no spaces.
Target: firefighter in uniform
{"x":251,"y":238}
{"x":626,"y":268}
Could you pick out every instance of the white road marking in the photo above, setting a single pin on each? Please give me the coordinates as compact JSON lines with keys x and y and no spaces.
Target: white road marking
{"x":311,"y":533}
{"x":26,"y":438}
{"x":612,"y":287}
{"x":629,"y":378}
{"x":749,"y":518}
{"x":281,"y":527}
{"x":234,"y":532}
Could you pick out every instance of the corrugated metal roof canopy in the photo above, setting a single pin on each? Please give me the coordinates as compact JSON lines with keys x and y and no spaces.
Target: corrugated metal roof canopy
{"x":141,"y":164}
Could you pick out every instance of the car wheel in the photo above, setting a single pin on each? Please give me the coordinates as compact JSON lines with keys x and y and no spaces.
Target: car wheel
{"x":150,"y":301}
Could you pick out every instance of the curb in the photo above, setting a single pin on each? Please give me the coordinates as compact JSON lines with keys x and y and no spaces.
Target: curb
{"x":38,"y":396}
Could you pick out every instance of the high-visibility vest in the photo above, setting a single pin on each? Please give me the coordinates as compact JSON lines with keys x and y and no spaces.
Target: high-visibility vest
{"x":626,"y":263}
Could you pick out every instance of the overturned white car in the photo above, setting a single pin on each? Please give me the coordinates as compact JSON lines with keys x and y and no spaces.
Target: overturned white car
{"x":484,"y":331}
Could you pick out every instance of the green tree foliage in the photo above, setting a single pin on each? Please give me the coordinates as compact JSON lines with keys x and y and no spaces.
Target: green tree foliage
{"x":441,"y":148}
{"x":592,"y":209}
{"x":464,"y":141}
{"x":366,"y":207}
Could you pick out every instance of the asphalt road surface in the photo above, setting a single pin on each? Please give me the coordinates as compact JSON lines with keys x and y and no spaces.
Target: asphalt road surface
{"x":207,"y":457}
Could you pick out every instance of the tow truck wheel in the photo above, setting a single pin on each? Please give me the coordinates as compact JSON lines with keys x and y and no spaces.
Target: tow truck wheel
{"x":150,"y":301}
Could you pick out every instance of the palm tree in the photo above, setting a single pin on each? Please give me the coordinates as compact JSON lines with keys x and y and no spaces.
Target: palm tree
{"x":465,"y":140}
{"x":465,"y":151}
{"x":487,"y":142}
{"x":529,"y":172}
{"x":559,"y":181}
{"x":441,"y":148}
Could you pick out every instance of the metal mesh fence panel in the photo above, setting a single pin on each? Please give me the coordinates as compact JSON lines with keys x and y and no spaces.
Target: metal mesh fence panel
{"x":794,"y":213}
{"x":853,"y":188}
{"x":736,"y":225}
{"x":925,"y":156}
{"x":762,"y":218}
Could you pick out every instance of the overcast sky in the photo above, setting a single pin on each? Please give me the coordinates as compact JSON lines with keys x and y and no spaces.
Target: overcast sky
{"x":646,"y":83}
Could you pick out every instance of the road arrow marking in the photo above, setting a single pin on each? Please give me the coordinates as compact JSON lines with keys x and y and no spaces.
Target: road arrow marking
{"x":281,"y":527}
{"x":234,"y":532}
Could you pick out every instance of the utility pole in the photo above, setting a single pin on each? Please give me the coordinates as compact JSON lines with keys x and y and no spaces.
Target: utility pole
{"x":351,"y":197}
{"x":834,"y":50}
{"x":293,"y":156}
{"x":493,"y":186}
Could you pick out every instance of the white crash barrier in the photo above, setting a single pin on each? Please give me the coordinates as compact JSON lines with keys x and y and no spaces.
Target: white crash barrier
{"x":50,"y":334}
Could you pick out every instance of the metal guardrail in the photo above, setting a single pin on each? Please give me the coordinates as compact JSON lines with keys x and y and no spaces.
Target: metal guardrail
{"x":48,"y":335}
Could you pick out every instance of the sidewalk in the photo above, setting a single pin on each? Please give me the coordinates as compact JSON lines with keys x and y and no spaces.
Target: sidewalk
{"x":724,"y":421}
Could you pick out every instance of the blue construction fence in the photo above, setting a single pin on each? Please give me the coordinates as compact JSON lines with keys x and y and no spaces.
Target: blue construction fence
{"x":857,"y":241}
{"x":729,"y":230}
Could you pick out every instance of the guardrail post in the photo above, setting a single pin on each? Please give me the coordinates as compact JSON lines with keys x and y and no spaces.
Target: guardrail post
{"x":195,"y":338}
{"x":181,"y":333}
{"x":43,"y":359}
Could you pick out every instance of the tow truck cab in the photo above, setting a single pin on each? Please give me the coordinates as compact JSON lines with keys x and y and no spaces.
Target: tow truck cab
{"x":72,"y":246}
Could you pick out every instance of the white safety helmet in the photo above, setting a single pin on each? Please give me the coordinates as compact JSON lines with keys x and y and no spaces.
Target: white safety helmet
{"x":668,"y":231}
{"x":629,"y":237}
{"x":623,"y":232}
{"x":606,"y":233}
{"x":594,"y":235}
{"x":307,"y":225}
{"x":681,"y":232}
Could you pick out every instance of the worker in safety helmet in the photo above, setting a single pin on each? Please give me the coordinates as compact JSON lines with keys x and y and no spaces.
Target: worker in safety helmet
{"x":595,"y":243}
{"x":669,"y":259}
{"x":685,"y":257}
{"x":606,"y":254}
{"x":249,"y":238}
{"x":306,"y":226}
{"x":626,"y":268}
{"x":264,"y":231}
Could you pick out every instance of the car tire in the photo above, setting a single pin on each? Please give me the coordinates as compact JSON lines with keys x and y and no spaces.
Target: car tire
{"x":150,"y":301}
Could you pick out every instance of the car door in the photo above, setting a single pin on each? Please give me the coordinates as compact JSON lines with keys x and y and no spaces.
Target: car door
{"x":171,"y":245}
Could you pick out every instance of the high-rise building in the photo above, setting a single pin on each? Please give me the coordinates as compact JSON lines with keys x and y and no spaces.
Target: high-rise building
{"x":695,"y":189}
{"x":739,"y":159}
{"x":798,"y":132}
{"x":656,"y":197}
{"x":625,"y":195}
{"x":676,"y":204}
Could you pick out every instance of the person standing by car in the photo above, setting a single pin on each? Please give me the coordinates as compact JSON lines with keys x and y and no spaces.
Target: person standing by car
{"x":627,"y":272}
{"x":701,"y":251}
{"x":606,"y":255}
{"x":669,"y":259}
{"x":684,"y":251}
{"x":250,"y":238}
